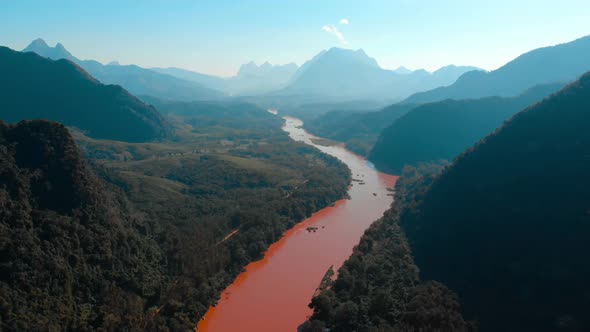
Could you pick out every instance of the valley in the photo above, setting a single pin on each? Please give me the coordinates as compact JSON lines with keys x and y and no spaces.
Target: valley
{"x":413,"y":166}
{"x":280,"y":285}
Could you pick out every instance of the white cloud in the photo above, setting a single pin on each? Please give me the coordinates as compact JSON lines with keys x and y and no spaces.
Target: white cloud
{"x":332,"y":29}
{"x":344,"y":21}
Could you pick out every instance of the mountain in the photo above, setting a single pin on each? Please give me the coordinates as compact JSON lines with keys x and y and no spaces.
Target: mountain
{"x":506,"y":226}
{"x":68,"y":240}
{"x":136,"y":80}
{"x":209,"y":81}
{"x":378,"y":288}
{"x":276,"y":72}
{"x":560,"y":63}
{"x":33,"y":87}
{"x":358,"y":130}
{"x":402,"y":70}
{"x":40,"y":47}
{"x":339,"y":72}
{"x":442,"y":130}
{"x":251,"y":79}
{"x":347,"y":74}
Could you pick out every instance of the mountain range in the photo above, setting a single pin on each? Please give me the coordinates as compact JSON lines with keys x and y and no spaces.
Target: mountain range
{"x":137,"y":80}
{"x":251,"y":78}
{"x":561,"y":63}
{"x":347,"y":75}
{"x":334,"y":74}
{"x":444,"y":129}
{"x":33,"y":87}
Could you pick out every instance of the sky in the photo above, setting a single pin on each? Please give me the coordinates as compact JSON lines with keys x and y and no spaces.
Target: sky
{"x":217,"y":36}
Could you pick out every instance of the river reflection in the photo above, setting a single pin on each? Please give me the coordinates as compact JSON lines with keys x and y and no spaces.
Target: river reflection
{"x":273,"y":293}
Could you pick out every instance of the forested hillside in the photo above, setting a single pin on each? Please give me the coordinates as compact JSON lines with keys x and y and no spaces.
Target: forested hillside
{"x":442,"y":130}
{"x":378,"y":288}
{"x":188,"y":216}
{"x":67,"y":241}
{"x":33,"y":87}
{"x":507,"y":225}
{"x":230,"y":172}
{"x":358,"y":130}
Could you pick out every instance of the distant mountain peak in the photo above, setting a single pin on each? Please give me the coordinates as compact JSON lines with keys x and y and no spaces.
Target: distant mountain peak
{"x":336,"y":49}
{"x":40,"y":47}
{"x":60,"y":46}
{"x":39,"y":42}
{"x":402,"y":70}
{"x":361,"y":52}
{"x":453,"y":68}
{"x":113,"y":63}
{"x":348,"y":55}
{"x":347,"y":74}
{"x":252,"y":69}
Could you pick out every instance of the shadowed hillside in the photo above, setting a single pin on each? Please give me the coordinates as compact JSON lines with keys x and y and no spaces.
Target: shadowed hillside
{"x":32,"y":87}
{"x":378,"y":288}
{"x":507,"y":225}
{"x":441,"y":131}
{"x":358,"y":130}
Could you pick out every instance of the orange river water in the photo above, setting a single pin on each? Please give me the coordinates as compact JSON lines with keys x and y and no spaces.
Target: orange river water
{"x":273,"y":294}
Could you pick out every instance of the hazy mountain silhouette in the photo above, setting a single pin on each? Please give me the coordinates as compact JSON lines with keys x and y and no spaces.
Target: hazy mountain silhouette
{"x":33,"y":87}
{"x":40,"y":47}
{"x":209,"y":81}
{"x":506,"y":226}
{"x":442,"y":130}
{"x":251,"y":79}
{"x":254,"y":79}
{"x":402,"y":70}
{"x":277,"y":72}
{"x":561,"y":63}
{"x":347,"y":74}
{"x":137,"y":80}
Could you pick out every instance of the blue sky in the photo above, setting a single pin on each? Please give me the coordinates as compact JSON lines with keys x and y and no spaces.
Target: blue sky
{"x":217,"y":36}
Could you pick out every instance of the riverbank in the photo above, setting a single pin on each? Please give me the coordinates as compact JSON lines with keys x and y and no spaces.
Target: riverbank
{"x":273,"y":294}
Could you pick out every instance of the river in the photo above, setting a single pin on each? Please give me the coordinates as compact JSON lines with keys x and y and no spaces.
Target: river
{"x":273,"y":294}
